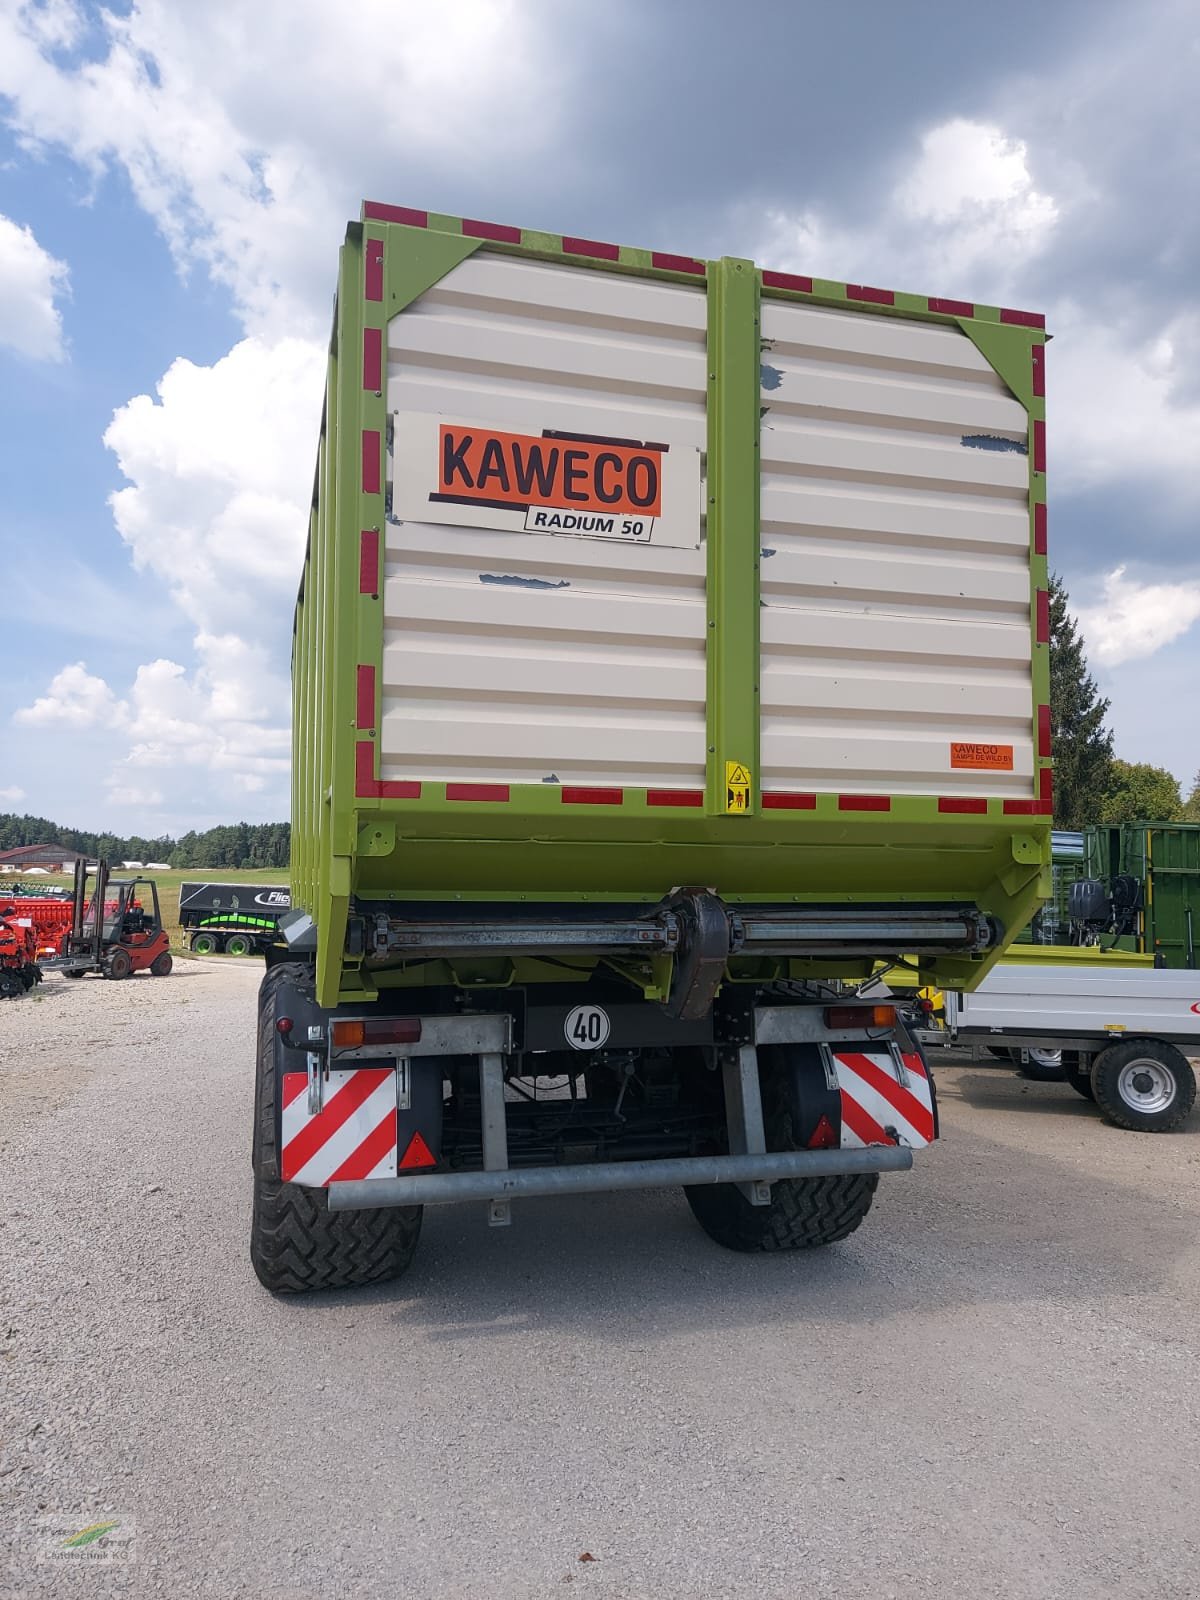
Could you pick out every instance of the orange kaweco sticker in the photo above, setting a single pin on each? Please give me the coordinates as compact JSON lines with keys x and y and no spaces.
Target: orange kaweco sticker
{"x":981,"y":757}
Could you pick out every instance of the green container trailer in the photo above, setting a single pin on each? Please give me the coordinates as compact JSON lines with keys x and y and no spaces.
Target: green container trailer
{"x":1165,"y":859}
{"x":671,"y":650}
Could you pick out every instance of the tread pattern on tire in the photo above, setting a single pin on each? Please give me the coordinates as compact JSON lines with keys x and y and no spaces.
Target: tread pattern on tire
{"x":1111,"y":1061}
{"x":805,"y":1213}
{"x":296,"y":1243}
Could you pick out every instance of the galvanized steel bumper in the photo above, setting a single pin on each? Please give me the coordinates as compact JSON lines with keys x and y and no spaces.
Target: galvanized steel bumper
{"x":442,"y":1188}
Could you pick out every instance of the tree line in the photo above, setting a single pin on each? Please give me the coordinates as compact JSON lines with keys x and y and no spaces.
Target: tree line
{"x":1091,"y":782}
{"x":238,"y":844}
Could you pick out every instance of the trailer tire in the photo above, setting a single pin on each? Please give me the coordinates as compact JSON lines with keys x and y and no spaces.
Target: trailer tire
{"x":804,"y":1213}
{"x":1042,"y":1065}
{"x":296,"y":1243}
{"x":205,"y":944}
{"x":1145,"y":1085}
{"x":1077,"y":1070}
{"x":239,"y":944}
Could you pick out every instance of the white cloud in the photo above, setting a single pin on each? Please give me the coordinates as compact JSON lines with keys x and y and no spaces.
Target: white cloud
{"x":1120,"y":407}
{"x":141,"y":798}
{"x":12,"y":794}
{"x":220,"y":468}
{"x":1133,"y":620}
{"x":974,"y":185}
{"x":75,"y":698}
{"x":225,"y":720}
{"x":964,"y":221}
{"x":251,"y":135}
{"x":32,"y":281}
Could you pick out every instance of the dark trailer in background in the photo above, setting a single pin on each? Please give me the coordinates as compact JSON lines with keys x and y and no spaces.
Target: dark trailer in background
{"x":235,"y":919}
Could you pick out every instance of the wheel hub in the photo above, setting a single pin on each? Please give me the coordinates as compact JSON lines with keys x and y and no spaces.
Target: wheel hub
{"x":1146,"y":1086}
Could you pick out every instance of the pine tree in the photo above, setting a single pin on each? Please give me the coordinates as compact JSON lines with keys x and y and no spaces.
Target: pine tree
{"x":1082,"y":745}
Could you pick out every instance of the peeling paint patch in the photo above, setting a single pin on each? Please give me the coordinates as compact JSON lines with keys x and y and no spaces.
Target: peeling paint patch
{"x":993,"y":441}
{"x":765,"y":553}
{"x":511,"y":581}
{"x":770,"y":377}
{"x":552,"y":778}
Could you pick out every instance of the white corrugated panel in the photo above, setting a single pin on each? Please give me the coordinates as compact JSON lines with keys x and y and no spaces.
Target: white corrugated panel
{"x":895,"y":571}
{"x":526,"y":657}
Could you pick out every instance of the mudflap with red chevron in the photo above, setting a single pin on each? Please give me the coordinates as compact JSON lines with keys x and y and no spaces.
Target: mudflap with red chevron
{"x":887,"y":1096}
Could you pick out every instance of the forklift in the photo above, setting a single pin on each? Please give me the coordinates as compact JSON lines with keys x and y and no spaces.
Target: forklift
{"x":112,"y":931}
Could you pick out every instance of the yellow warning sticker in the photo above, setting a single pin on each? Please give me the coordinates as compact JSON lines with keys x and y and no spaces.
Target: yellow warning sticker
{"x":737,"y":787}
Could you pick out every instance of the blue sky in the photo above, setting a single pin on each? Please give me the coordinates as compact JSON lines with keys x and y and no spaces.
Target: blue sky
{"x":174,"y":180}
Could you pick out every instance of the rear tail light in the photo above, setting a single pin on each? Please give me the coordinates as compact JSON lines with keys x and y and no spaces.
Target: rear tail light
{"x":860,"y":1016}
{"x":351,"y":1034}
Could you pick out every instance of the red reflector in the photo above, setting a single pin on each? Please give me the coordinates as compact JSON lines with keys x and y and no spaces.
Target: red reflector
{"x":371,"y":461}
{"x":1043,"y":723}
{"x":824,"y":1137}
{"x":1042,"y":616}
{"x":951,"y":308}
{"x":284,"y":1025}
{"x":418,"y":1154}
{"x":875,"y":297}
{"x":490,"y":230}
{"x":366,"y":784}
{"x":1039,"y":530}
{"x":572,"y":796}
{"x":779,"y":801}
{"x":365,"y":707}
{"x":1039,"y":447}
{"x":372,"y":358}
{"x":368,"y":562}
{"x":1039,"y":371}
{"x":669,"y":263}
{"x":860,"y":1016}
{"x":404,"y":214}
{"x":787,"y":280}
{"x":953,"y":805}
{"x":373,"y":271}
{"x":477,"y":791}
{"x":591,"y":247}
{"x":674,"y":797}
{"x":1023,"y":319}
{"x":864,"y":802}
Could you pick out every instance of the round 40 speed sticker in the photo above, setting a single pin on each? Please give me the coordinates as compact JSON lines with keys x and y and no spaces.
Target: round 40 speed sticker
{"x":587,"y":1028}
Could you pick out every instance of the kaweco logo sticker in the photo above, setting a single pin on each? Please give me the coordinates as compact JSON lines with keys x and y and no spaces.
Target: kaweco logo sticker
{"x":556,"y":482}
{"x":981,"y":757}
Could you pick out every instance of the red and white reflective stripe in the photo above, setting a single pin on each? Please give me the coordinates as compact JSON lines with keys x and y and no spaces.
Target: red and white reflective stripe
{"x":874,"y":1100}
{"x":352,"y":1136}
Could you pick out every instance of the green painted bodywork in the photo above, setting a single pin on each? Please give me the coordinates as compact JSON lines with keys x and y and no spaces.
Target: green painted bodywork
{"x":534,"y":849}
{"x":734,"y":395}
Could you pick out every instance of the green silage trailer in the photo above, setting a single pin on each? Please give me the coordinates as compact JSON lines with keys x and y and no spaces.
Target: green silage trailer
{"x":1164,"y":859}
{"x":671,"y":651}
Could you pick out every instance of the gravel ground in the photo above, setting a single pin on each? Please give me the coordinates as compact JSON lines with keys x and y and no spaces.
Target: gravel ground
{"x":986,"y":1392}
